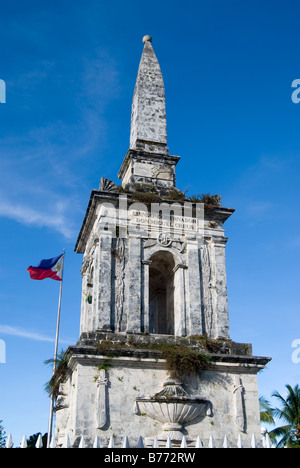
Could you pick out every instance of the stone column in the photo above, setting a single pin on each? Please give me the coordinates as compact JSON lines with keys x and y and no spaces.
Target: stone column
{"x":104,"y":289}
{"x":208,"y":288}
{"x":222,"y":319}
{"x":145,"y":296}
{"x":101,"y":398}
{"x":193,"y":293}
{"x":86,"y":307}
{"x":133,"y":287}
{"x":179,"y":301}
{"x":83,"y":325}
{"x":96,"y":254}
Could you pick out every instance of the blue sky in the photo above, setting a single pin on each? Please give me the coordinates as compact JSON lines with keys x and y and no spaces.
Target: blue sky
{"x":70,"y":70}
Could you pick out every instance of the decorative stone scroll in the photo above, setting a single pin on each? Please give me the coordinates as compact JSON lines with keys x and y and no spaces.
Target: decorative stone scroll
{"x":107,"y":185}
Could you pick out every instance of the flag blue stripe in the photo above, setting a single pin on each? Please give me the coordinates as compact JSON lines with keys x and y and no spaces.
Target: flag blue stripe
{"x":47,"y":264}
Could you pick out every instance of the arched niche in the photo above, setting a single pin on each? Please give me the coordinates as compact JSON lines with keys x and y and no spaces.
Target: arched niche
{"x":161,"y":293}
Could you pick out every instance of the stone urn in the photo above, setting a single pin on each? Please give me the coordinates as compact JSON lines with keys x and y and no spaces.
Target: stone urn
{"x":173,"y":407}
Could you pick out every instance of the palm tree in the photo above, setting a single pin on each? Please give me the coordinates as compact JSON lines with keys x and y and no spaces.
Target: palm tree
{"x":2,"y":435}
{"x":266,"y":415}
{"x":287,"y":435}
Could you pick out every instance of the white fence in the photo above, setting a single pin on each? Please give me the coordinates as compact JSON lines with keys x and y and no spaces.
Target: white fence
{"x":265,"y":442}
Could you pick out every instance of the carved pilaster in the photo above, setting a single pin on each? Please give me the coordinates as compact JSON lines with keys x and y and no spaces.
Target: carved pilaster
{"x":238,"y":393}
{"x":101,"y":412}
{"x":208,"y":290}
{"x":193,"y":293}
{"x":104,"y":291}
{"x":145,"y":296}
{"x":119,"y":255}
{"x":222,"y":319}
{"x":133,"y":303}
{"x":180,"y":328}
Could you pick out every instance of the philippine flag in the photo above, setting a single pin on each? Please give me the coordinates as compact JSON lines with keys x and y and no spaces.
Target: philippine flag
{"x":50,"y":268}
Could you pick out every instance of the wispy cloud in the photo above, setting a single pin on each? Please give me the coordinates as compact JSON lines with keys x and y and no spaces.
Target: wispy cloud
{"x":56,"y":220}
{"x":259,"y":209}
{"x":21,"y":332}
{"x":259,"y":187}
{"x":263,"y":173}
{"x":45,"y":162}
{"x":28,"y":334}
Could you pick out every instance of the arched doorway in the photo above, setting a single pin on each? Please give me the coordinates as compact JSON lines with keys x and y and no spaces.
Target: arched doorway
{"x":161,"y":293}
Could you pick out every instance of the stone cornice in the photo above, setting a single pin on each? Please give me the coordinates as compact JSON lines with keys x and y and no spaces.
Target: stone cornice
{"x":146,"y":155}
{"x":149,"y":358}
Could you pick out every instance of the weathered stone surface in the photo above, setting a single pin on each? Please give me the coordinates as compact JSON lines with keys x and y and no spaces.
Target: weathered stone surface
{"x":133,"y":286}
{"x":193,"y":295}
{"x":148,"y":160}
{"x":135,"y":377}
{"x":104,"y":295}
{"x":118,"y":280}
{"x":146,"y":167}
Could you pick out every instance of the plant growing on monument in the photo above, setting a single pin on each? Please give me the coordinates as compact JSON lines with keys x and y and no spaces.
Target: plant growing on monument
{"x":206,"y":198}
{"x":181,"y":360}
{"x":52,"y":386}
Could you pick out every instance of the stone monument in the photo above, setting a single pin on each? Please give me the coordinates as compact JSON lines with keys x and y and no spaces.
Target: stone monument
{"x":154,"y":356}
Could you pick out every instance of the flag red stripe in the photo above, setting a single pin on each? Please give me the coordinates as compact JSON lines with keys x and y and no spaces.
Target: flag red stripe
{"x":40,"y":274}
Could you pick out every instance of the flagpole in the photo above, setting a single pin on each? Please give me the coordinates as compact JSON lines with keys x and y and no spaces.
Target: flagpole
{"x":50,"y":423}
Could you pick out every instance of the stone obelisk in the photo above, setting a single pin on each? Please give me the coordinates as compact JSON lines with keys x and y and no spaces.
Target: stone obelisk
{"x":154,"y":357}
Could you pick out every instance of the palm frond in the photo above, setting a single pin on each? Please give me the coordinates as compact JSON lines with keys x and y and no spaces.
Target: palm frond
{"x":287,"y":435}
{"x":266,"y":411}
